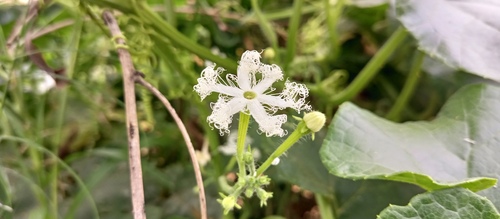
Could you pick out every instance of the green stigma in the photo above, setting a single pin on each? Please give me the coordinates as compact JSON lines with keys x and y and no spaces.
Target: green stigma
{"x":249,"y":95}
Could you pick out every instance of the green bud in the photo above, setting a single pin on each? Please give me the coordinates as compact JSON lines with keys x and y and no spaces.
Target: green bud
{"x":228,"y":203}
{"x":248,"y":158}
{"x":263,"y":180}
{"x":263,"y":196}
{"x":269,"y":53}
{"x":249,"y":192}
{"x":314,"y":121}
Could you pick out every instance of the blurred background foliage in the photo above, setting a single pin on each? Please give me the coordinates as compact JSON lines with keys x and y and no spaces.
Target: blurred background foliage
{"x":63,"y":149}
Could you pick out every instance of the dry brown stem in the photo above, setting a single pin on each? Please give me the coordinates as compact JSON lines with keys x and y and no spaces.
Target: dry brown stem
{"x":185,"y":135}
{"x":136,"y":182}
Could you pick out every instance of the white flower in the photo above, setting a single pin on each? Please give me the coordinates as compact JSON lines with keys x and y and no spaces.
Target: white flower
{"x":251,"y":92}
{"x":229,"y":148}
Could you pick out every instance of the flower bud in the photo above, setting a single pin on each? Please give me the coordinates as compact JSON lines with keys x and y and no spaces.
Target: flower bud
{"x":228,"y":203}
{"x":263,"y":180}
{"x":314,"y":120}
{"x":248,"y":158}
{"x":269,"y":53}
{"x":249,"y":192}
{"x":263,"y":196}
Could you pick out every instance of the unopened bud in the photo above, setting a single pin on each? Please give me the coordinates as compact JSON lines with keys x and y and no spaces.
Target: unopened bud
{"x":228,"y":203}
{"x":249,"y":192}
{"x":314,"y":121}
{"x":263,"y":180}
{"x":269,"y":53}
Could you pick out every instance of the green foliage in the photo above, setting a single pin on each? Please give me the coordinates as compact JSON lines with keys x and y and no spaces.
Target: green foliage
{"x":455,"y":149}
{"x":449,"y":203}
{"x":461,"y":36}
{"x":63,"y":151}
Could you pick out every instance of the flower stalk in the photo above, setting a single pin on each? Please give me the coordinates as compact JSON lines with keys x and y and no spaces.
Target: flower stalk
{"x":292,"y":138}
{"x":240,"y":144}
{"x":310,"y":124}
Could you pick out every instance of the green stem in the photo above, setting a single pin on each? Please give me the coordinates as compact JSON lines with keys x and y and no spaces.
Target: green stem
{"x":291,"y":43}
{"x":240,"y":144}
{"x":179,"y":39}
{"x":411,"y":82}
{"x":326,"y":206}
{"x":292,"y":138}
{"x":285,"y":13}
{"x":95,"y":18}
{"x":170,"y":12}
{"x":63,"y":99}
{"x":332,"y":18}
{"x":230,"y":164}
{"x":371,"y":69}
{"x":265,"y":26}
{"x":35,"y":156}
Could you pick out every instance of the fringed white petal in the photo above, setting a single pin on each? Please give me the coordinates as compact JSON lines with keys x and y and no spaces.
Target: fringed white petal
{"x":274,"y":103}
{"x":249,"y":65}
{"x":222,"y":113}
{"x":270,"y":74}
{"x":271,"y":125}
{"x":295,"y":94}
{"x":228,"y":90}
{"x":207,"y":81}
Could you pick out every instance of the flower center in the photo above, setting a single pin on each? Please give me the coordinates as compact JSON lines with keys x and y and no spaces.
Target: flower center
{"x":249,"y":95}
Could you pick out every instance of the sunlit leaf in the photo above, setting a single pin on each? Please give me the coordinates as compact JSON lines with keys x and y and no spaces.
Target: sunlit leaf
{"x":458,"y":148}
{"x":464,"y":34}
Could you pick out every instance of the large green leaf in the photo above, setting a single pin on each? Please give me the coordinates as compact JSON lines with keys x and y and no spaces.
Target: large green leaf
{"x":455,"y":203}
{"x":458,"y":148}
{"x":302,"y":166}
{"x":464,"y":34}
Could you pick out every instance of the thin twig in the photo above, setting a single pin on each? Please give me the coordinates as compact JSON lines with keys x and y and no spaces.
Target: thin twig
{"x":32,"y":12}
{"x":185,"y":135}
{"x":136,"y":183}
{"x":51,"y":28}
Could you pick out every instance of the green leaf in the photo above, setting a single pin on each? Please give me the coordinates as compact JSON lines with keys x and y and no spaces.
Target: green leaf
{"x":448,"y":203}
{"x":302,"y":166}
{"x":463,"y":34}
{"x":458,"y":148}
